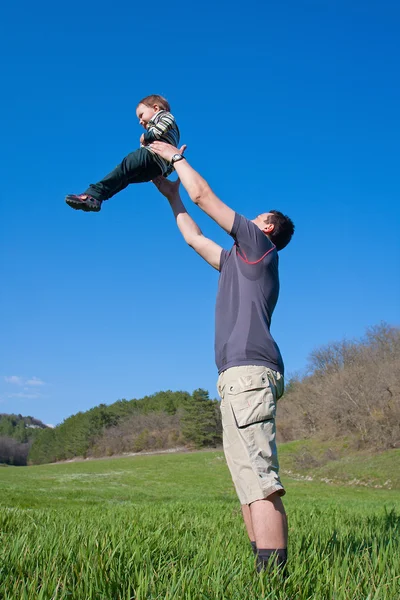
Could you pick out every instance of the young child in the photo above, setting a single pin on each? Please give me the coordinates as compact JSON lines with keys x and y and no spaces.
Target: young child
{"x":141,"y":165}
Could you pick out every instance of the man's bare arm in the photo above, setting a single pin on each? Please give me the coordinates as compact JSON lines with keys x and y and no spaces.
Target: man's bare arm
{"x":191,"y":232}
{"x":198,"y":189}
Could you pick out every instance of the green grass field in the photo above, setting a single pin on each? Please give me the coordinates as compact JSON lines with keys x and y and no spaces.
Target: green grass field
{"x":169,"y":527}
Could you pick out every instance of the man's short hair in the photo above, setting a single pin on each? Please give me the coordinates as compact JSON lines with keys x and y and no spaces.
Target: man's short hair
{"x":156,"y":99}
{"x":283,"y":229}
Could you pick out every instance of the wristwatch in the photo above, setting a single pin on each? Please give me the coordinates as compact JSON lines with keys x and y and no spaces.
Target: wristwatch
{"x":176,"y":157}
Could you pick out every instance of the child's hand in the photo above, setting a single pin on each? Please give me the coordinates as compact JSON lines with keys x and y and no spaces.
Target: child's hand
{"x":142,"y":139}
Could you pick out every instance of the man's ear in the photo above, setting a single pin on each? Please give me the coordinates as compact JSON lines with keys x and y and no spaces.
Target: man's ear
{"x":269,"y":227}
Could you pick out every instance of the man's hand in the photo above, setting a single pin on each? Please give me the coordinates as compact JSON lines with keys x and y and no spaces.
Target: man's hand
{"x":142,"y":139}
{"x":197,"y":187}
{"x":169,"y":189}
{"x":165,"y":150}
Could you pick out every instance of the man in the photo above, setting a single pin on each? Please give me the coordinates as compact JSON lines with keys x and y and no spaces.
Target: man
{"x":249,"y":362}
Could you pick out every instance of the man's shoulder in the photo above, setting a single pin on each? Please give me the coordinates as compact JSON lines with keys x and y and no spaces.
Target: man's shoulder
{"x":238,"y":222}
{"x":247,"y":227}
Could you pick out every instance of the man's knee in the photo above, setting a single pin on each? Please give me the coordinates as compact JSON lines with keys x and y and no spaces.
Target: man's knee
{"x":275,"y":499}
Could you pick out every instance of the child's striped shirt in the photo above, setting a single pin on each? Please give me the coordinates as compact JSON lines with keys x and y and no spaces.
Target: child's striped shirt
{"x":162,"y":127}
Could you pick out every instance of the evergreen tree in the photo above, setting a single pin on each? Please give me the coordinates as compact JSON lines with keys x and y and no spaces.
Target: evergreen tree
{"x":200,"y":422}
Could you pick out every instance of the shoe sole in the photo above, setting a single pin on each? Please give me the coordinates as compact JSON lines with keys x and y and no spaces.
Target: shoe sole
{"x":81,"y":206}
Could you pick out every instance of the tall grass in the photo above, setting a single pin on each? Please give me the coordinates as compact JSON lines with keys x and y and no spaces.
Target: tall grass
{"x":169,"y":528}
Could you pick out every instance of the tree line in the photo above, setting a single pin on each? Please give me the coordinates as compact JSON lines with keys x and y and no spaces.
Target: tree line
{"x":160,"y":421}
{"x":16,"y":437}
{"x":351,"y":388}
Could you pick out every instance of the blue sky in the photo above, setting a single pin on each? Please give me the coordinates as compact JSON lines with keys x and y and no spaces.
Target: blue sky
{"x":289,"y":105}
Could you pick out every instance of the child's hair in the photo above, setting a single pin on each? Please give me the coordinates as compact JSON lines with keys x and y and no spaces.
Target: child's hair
{"x":156,"y":99}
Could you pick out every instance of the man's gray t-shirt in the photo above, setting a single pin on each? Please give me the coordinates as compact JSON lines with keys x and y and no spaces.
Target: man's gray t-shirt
{"x":248,"y":290}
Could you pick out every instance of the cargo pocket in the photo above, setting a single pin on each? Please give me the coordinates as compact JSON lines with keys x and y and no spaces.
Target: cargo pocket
{"x":252,"y":399}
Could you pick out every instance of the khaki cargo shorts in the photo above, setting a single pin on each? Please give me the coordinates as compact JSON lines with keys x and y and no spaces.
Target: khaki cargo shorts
{"x":248,"y":406}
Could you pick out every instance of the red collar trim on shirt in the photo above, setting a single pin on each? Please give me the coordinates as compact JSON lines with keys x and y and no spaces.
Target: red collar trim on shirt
{"x":244,"y":257}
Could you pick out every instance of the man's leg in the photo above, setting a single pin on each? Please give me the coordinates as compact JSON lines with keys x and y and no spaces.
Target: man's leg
{"x":266,"y":525}
{"x":248,"y":400}
{"x":248,"y":522}
{"x":269,"y":522}
{"x":249,"y":526}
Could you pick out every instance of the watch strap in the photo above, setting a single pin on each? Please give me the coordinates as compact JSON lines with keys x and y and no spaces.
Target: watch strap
{"x":176,"y":158}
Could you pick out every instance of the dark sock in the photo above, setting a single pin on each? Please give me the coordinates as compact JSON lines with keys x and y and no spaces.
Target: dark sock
{"x":271,"y":559}
{"x":254,"y":548}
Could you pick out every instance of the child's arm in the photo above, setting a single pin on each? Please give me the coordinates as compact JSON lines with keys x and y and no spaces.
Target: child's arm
{"x":158,"y":129}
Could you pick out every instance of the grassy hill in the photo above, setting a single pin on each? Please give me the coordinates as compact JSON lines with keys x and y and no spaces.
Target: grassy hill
{"x":169,"y":527}
{"x":338,"y":462}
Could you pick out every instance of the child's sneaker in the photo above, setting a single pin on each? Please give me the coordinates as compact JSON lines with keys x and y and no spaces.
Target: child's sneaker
{"x":83,"y":202}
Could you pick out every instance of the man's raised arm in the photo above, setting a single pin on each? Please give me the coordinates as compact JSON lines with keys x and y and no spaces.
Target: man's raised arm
{"x":198,"y":189}
{"x":191,"y":232}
